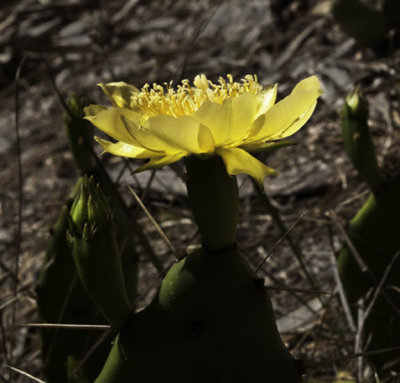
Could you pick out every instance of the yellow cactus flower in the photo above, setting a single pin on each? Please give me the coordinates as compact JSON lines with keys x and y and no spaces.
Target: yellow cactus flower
{"x":229,"y":119}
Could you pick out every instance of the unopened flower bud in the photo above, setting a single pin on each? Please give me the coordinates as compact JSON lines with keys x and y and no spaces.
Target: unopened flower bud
{"x":96,"y":254}
{"x":357,"y":138}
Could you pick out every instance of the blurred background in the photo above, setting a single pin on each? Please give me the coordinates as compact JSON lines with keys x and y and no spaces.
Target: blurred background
{"x":57,"y":49}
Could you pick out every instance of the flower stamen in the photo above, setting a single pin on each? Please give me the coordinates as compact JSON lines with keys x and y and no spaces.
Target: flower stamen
{"x":186,"y":99}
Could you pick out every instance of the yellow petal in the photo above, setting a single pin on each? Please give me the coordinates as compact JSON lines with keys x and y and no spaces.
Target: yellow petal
{"x":173,"y":135}
{"x":217,"y":118}
{"x":291,"y":129}
{"x":267,"y":147}
{"x":119,"y":93}
{"x":93,"y":109}
{"x":238,"y":161}
{"x":266,"y":98}
{"x":109,"y":121}
{"x":278,"y":120}
{"x":244,"y":110}
{"x":158,"y":162}
{"x":230,"y":121}
{"x":125,"y":150}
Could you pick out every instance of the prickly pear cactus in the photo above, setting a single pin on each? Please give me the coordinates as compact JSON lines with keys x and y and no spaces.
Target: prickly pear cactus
{"x":210,"y":322}
{"x":62,"y":299}
{"x":374,"y":233}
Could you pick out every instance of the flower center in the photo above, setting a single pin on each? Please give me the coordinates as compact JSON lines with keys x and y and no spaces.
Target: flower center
{"x":186,"y":99}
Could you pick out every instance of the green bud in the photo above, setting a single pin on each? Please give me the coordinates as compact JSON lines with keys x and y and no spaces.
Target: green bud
{"x":357,"y":139}
{"x":357,"y":105}
{"x":90,"y":210}
{"x":96,"y":254}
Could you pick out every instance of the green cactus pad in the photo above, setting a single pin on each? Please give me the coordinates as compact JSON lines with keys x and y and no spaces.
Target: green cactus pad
{"x":375,"y":233}
{"x":210,"y":322}
{"x":62,"y":299}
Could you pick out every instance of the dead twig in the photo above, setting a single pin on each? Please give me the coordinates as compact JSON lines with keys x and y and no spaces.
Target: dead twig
{"x":89,"y":353}
{"x":365,"y":314}
{"x":282,"y":227}
{"x":298,"y":290}
{"x":18,"y":239}
{"x":279,"y":241}
{"x":313,"y":365}
{"x":335,"y":219}
{"x":99,"y":327}
{"x":339,"y":284}
{"x":155,"y":224}
{"x":26,"y":374}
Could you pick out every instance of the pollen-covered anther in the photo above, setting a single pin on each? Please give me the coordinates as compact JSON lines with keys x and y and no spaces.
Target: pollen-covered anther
{"x":186,"y":99}
{"x":229,"y":119}
{"x":201,"y":82}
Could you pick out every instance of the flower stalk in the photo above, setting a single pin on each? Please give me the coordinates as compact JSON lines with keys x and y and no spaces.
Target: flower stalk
{"x":214,"y":199}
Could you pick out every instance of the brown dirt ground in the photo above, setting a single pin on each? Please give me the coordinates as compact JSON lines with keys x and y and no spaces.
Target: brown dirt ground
{"x":81,"y":43}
